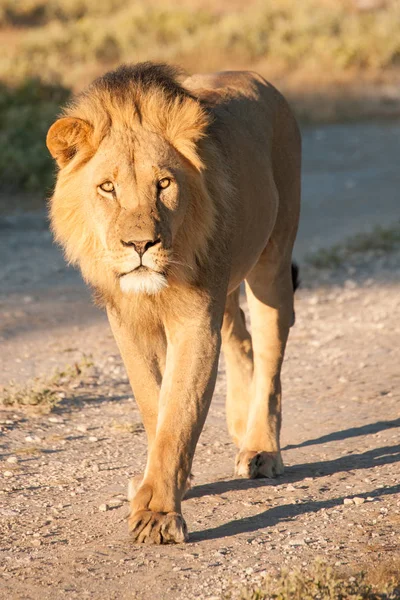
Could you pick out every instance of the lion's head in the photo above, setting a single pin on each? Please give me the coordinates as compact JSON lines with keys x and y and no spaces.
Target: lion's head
{"x":131,"y":205}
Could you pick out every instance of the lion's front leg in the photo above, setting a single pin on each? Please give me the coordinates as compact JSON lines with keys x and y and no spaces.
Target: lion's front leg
{"x":144,"y":364}
{"x":186,"y":391}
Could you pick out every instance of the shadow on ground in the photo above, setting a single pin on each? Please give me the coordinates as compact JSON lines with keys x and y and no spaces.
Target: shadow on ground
{"x":363,"y":460}
{"x":348,"y":433}
{"x":279,"y":514}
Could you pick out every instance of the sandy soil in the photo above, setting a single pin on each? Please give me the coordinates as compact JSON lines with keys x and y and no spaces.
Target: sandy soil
{"x":63,"y":475}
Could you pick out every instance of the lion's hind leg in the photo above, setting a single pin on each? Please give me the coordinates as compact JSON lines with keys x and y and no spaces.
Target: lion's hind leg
{"x":238,"y":353}
{"x":270,"y":297}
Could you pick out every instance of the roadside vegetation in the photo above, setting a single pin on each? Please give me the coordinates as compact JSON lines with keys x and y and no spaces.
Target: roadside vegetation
{"x":314,"y":50}
{"x":379,"y":241}
{"x":69,"y":39}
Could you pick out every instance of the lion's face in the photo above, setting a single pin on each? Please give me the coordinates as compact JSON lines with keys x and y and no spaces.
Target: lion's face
{"x":136,"y":204}
{"x":133,"y":194}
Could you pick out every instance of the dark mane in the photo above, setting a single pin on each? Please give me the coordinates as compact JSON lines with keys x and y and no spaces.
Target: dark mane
{"x":145,"y":76}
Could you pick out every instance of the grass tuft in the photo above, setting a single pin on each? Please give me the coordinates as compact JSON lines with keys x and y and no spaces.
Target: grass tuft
{"x":45,"y":393}
{"x":320,"y":583}
{"x":379,"y":241}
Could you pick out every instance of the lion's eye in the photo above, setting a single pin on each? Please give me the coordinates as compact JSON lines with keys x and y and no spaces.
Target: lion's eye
{"x":163,"y":183}
{"x":107,"y":186}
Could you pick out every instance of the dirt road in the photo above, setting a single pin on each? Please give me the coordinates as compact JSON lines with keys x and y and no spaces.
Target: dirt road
{"x":63,"y":474}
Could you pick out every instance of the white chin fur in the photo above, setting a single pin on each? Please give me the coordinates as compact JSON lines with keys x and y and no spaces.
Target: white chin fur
{"x":149,"y":282}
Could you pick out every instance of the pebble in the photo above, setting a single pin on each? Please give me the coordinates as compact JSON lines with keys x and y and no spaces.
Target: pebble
{"x":55,"y":420}
{"x":348,"y":501}
{"x":290,"y":488}
{"x":93,"y":438}
{"x":12,"y":460}
{"x":297,"y":542}
{"x":82,"y":428}
{"x":114,"y":503}
{"x":357,"y":500}
{"x":103,"y":507}
{"x":8,"y":474}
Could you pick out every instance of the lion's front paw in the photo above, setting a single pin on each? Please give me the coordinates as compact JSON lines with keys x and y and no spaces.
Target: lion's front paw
{"x":148,"y":527}
{"x":258,"y":464}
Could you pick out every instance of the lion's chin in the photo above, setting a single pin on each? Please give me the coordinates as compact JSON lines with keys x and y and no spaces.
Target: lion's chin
{"x":143,"y":281}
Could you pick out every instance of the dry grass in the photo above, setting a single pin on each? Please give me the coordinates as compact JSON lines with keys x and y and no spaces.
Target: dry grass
{"x":321,"y":583}
{"x":72,"y":39}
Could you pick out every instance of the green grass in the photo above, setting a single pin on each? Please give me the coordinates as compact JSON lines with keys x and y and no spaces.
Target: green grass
{"x":320,"y":583}
{"x":380,"y":240}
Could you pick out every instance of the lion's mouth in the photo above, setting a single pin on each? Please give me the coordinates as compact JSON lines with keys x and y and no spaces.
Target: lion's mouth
{"x":141,"y":269}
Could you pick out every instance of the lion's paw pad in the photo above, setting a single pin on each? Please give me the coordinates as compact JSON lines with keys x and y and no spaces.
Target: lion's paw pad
{"x":148,"y":527}
{"x":258,"y":464}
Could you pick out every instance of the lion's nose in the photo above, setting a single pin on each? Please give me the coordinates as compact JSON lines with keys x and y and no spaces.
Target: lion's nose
{"x":141,"y":246}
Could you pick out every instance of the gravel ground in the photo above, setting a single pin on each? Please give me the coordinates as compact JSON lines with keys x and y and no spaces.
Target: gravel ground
{"x":63,"y":474}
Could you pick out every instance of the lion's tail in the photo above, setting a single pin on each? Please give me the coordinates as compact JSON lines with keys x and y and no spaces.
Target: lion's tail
{"x":295,"y":276}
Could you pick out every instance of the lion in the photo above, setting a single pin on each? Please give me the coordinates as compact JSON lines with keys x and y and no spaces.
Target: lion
{"x":170,"y":193}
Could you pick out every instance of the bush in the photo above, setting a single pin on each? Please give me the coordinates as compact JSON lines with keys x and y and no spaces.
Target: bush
{"x":26,"y":112}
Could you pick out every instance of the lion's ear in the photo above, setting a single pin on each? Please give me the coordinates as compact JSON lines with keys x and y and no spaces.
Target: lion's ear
{"x":65,"y":137}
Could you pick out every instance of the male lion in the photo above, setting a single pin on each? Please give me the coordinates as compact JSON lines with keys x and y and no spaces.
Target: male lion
{"x":169,"y":195}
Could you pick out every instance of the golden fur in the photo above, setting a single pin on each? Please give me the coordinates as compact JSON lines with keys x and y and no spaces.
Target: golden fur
{"x":205,"y":179}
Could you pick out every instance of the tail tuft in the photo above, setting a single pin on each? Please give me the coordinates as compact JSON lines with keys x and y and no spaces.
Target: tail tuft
{"x":295,"y":276}
{"x":296,"y":284}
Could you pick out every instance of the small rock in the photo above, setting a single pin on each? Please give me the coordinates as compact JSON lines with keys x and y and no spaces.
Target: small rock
{"x":357,"y":500}
{"x":348,"y":501}
{"x":8,"y":474}
{"x":93,"y":438}
{"x":290,"y":488}
{"x":12,"y":460}
{"x":55,"y":420}
{"x":114,"y":503}
{"x":297,"y":542}
{"x":103,"y":507}
{"x":82,"y":428}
